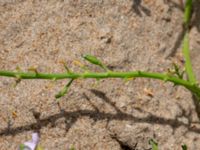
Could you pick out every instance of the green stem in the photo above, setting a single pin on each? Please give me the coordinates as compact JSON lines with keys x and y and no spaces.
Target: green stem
{"x":186,"y":47}
{"x":187,"y":12}
{"x":190,"y":84}
{"x":110,"y":74}
{"x":188,"y":65}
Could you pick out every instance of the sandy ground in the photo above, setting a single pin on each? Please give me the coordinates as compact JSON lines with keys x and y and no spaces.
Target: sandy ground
{"x":110,"y":114}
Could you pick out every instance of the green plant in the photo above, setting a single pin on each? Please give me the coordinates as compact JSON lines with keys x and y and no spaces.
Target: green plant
{"x":21,"y":146}
{"x":184,"y":147}
{"x":153,"y":144}
{"x":174,"y":76}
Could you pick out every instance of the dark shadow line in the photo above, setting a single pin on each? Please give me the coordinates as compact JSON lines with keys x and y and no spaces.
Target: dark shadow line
{"x":177,"y":44}
{"x":194,"y":23}
{"x":196,"y":103}
{"x":195,"y":11}
{"x":146,"y":11}
{"x":196,"y":15}
{"x":88,"y":99}
{"x":151,"y":119}
{"x":103,"y":96}
{"x":138,"y":8}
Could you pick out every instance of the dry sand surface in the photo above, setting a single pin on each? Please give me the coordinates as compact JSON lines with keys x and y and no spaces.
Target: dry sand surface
{"x":110,"y":114}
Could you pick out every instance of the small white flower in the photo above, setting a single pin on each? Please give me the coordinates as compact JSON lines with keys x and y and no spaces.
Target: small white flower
{"x":32,"y":144}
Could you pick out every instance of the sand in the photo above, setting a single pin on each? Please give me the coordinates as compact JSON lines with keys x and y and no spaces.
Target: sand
{"x":96,"y":115}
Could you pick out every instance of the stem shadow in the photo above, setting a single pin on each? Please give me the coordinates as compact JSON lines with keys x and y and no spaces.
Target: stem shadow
{"x":196,"y":15}
{"x":177,"y":43}
{"x":139,"y":9}
{"x":72,"y":116}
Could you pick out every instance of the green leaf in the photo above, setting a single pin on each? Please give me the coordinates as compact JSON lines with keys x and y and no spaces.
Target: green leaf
{"x":184,"y":147}
{"x":95,"y":61}
{"x":153,"y":144}
{"x":21,"y":146}
{"x":68,"y":70}
{"x":177,"y":71}
{"x":64,"y":90}
{"x":92,"y":59}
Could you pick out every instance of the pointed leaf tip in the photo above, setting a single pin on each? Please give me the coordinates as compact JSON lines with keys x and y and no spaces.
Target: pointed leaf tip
{"x":92,"y":59}
{"x":64,"y":90}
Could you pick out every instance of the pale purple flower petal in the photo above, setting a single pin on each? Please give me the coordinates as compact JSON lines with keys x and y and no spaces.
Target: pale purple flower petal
{"x":32,"y":144}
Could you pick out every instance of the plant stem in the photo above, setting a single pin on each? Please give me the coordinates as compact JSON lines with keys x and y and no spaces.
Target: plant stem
{"x":110,"y":74}
{"x":190,"y":84}
{"x":187,"y":12}
{"x":186,"y":49}
{"x":188,"y":65}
